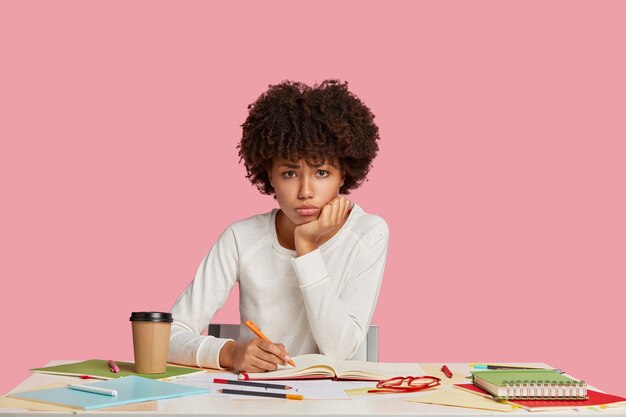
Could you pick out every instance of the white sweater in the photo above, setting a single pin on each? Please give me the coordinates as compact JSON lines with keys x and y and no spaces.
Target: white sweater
{"x":321,"y":302}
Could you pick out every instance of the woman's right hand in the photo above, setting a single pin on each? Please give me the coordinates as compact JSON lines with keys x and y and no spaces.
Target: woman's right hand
{"x":256,"y":355}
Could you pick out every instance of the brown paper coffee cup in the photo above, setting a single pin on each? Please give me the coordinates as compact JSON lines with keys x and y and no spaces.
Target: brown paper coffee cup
{"x":151,"y":338}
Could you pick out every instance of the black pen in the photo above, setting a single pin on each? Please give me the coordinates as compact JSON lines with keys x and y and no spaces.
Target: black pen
{"x":250,"y":384}
{"x":262,"y":394}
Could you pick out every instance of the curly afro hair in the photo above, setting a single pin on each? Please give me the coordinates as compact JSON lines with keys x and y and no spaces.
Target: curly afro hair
{"x":322,"y":123}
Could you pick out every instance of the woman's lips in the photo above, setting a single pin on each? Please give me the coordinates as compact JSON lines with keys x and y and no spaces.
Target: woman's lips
{"x":307,"y":211}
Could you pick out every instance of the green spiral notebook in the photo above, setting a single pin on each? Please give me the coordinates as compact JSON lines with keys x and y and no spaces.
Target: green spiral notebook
{"x":530,"y":384}
{"x":130,"y":389}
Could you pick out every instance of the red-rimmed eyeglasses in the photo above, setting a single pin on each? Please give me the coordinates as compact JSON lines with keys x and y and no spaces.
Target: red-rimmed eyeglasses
{"x":401,"y":384}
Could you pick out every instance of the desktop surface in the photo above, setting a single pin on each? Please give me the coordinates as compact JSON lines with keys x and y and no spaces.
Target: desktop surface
{"x":373,"y":405}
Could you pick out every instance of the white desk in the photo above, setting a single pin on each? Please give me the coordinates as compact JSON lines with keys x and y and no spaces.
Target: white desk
{"x":201,"y":405}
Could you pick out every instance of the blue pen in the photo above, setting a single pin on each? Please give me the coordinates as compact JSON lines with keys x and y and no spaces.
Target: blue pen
{"x":486,"y":366}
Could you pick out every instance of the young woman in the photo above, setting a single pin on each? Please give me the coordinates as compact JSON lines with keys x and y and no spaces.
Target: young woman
{"x":309,"y":272}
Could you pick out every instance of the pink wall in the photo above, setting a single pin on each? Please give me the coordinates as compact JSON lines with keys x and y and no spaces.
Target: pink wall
{"x":501,"y":170}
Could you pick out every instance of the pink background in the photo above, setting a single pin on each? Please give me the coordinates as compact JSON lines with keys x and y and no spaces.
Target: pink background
{"x":501,"y":168}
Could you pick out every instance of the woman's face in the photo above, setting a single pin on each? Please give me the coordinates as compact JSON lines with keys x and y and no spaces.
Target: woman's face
{"x":303,"y":187}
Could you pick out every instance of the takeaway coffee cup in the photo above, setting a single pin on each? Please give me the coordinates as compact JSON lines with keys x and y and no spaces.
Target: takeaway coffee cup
{"x":151,"y":338}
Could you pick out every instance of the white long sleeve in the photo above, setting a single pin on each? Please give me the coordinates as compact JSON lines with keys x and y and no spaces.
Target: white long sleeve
{"x":197,"y":305}
{"x":320,"y":302}
{"x":340,"y":308}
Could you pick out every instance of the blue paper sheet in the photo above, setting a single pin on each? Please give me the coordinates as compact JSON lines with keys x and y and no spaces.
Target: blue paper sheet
{"x":131,"y":389}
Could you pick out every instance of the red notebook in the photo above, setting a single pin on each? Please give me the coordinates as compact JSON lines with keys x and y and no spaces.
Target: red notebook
{"x":595,"y":399}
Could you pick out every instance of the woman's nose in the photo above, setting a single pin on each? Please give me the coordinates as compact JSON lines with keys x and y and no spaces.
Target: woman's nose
{"x":306,"y":189}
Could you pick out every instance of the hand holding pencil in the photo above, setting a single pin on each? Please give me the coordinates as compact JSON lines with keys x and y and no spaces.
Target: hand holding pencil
{"x":256,"y":355}
{"x":260,"y":334}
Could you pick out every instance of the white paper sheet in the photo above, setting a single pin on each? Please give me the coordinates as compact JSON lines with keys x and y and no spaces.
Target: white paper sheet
{"x":320,"y":389}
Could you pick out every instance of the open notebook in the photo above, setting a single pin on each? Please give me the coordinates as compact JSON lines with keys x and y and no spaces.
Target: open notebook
{"x":316,"y":366}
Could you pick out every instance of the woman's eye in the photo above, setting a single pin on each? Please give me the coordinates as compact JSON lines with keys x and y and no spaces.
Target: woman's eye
{"x":323,"y":173}
{"x":289,"y":174}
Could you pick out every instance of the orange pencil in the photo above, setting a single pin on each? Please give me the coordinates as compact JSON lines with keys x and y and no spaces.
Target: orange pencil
{"x":260,"y":334}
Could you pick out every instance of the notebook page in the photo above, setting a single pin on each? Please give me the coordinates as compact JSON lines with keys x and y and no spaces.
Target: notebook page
{"x":376,"y":370}
{"x":312,"y":365}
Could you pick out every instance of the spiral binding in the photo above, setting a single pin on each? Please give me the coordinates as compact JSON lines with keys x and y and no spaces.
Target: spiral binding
{"x":545,"y":390}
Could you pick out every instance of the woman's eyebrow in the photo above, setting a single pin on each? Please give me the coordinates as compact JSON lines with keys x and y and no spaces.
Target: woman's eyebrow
{"x":320,"y":164}
{"x":288,"y":165}
{"x":309,"y":163}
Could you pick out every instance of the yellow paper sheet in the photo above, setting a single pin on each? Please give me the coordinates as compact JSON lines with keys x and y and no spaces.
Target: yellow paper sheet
{"x":16,"y":403}
{"x":435,"y":370}
{"x":458,"y":398}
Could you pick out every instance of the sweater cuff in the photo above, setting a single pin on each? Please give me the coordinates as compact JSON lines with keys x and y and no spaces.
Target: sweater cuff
{"x":310,"y":268}
{"x":208,"y":355}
